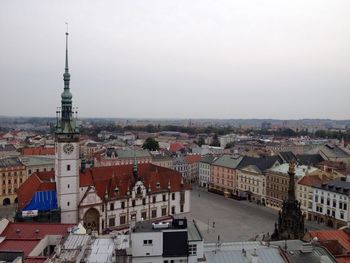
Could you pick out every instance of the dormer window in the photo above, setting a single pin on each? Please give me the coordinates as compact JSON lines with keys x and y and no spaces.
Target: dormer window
{"x":139,"y":190}
{"x":158,"y":184}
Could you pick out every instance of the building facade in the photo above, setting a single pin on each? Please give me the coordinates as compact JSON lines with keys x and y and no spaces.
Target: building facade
{"x":277,"y":182}
{"x":205,"y":170}
{"x":223,"y":175}
{"x":331,"y":203}
{"x":13,"y":174}
{"x":101,"y":198}
{"x":251,"y":178}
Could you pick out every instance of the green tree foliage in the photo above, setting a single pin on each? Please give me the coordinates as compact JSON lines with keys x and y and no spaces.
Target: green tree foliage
{"x":150,"y":144}
{"x":215,"y":141}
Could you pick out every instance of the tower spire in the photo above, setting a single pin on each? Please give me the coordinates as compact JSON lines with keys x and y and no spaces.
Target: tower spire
{"x":66,"y":65}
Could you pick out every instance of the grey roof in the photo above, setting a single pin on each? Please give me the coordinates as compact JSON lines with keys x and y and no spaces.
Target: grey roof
{"x":101,"y":251}
{"x":38,"y":160}
{"x":7,"y":148}
{"x":263,"y":163}
{"x":228,"y":161}
{"x":127,"y":154}
{"x":287,"y":156}
{"x":193,"y":232}
{"x":232,"y":252}
{"x":335,"y":186}
{"x":209,"y":159}
{"x":309,"y":159}
{"x":333,"y":151}
{"x":295,"y":255}
{"x":10,"y":162}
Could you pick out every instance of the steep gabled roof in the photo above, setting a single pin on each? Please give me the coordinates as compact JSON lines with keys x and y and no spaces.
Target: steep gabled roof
{"x":228,"y":161}
{"x":262,"y":163}
{"x":309,"y":159}
{"x":106,"y":178}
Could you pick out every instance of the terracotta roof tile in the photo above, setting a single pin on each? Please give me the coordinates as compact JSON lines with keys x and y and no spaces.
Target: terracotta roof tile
{"x":193,"y":158}
{"x":312,"y":180}
{"x":19,"y":245}
{"x":340,"y":235}
{"x":20,"y":231}
{"x":175,"y":147}
{"x":106,"y":178}
{"x":38,"y":151}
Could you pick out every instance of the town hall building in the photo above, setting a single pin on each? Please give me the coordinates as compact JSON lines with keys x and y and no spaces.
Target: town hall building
{"x":102,"y":198}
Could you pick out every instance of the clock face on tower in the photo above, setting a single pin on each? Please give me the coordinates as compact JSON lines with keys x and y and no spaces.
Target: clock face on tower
{"x":68,"y":148}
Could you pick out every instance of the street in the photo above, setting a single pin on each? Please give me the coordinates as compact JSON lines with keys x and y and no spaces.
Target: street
{"x":233,"y":220}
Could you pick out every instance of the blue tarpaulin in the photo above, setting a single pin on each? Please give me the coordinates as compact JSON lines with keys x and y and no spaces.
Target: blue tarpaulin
{"x":43,"y":201}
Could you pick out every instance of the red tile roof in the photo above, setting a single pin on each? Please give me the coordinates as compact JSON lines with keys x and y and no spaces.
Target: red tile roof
{"x":26,"y":236}
{"x":195,"y":158}
{"x":36,"y":259}
{"x":106,"y":178}
{"x":175,"y":147}
{"x":340,"y":235}
{"x":310,"y":180}
{"x":19,"y":245}
{"x":38,"y":151}
{"x":33,"y":231}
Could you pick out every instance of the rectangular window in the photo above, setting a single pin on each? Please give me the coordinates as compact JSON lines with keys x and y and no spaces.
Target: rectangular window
{"x":133,"y":216}
{"x":192,"y":250}
{"x":173,"y":210}
{"x":154,"y":213}
{"x":322,"y":200}
{"x":148,"y":242}
{"x":333,"y":213}
{"x":122,"y":220}
{"x":143,"y":201}
{"x":181,"y":208}
{"x":111,"y":206}
{"x":345,"y":206}
{"x":334,"y":203}
{"x":164,"y":198}
{"x":111,"y":222}
{"x":68,"y":167}
{"x":123,"y":205}
{"x":133,"y":203}
{"x":340,"y":205}
{"x":144,"y":215}
{"x":164,"y":211}
{"x":153,"y":199}
{"x":328,"y":202}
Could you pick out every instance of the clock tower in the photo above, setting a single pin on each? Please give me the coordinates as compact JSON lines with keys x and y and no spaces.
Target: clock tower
{"x":67,"y":154}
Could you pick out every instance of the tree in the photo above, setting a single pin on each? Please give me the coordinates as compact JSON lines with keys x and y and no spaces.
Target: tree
{"x":150,"y":144}
{"x":201,"y":141}
{"x":215,"y":141}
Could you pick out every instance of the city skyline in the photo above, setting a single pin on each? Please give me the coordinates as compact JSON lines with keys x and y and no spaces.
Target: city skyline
{"x":179,"y":60}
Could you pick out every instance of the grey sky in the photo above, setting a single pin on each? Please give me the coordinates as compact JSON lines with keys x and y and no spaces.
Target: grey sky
{"x":178,"y":59}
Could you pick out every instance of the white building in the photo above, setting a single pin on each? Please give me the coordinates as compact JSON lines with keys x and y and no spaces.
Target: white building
{"x":331,"y":203}
{"x":204,"y":170}
{"x":168,"y":242}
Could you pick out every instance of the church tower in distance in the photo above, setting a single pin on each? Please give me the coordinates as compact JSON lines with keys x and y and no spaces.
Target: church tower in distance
{"x":67,"y":154}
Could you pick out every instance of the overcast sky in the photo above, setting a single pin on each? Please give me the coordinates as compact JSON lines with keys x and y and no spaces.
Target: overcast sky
{"x":178,"y":58}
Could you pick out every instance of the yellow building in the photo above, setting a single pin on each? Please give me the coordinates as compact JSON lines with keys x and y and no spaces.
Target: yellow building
{"x":13,"y":174}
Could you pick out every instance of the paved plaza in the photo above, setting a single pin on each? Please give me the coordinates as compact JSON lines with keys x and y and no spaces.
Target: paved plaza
{"x":234,"y":220}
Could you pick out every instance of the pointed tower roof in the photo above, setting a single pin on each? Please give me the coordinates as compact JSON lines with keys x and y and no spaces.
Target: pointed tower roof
{"x":66,"y":95}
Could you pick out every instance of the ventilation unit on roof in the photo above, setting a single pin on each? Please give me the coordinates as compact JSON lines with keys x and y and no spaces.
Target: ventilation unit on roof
{"x":160,"y":225}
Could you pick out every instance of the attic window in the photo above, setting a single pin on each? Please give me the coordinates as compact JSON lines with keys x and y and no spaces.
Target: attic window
{"x":158,"y":184}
